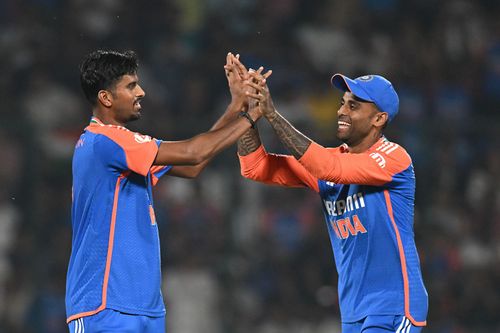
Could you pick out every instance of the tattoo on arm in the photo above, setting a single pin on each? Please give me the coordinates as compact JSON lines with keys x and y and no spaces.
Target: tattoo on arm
{"x":296,"y":142}
{"x":249,"y":142}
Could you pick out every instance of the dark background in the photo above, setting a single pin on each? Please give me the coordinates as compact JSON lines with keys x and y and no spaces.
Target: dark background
{"x":240,"y":256}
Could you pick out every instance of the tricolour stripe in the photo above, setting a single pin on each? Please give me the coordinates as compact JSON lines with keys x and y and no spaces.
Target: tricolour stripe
{"x":401,"y":325}
{"x":108,"y":256}
{"x":403,"y":263}
{"x":407,"y":328}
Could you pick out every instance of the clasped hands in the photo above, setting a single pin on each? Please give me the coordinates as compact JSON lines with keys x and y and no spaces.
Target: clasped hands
{"x":248,"y":88}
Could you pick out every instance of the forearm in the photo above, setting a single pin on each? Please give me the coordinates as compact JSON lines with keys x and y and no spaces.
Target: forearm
{"x":192,"y":171}
{"x":230,"y":114}
{"x":203,"y":146}
{"x":249,"y":142}
{"x":296,"y":142}
{"x":218,"y":140}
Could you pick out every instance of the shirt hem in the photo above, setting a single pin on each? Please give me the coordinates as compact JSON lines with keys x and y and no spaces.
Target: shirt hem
{"x":354,"y":319}
{"x":135,"y":311}
{"x":132,"y":311}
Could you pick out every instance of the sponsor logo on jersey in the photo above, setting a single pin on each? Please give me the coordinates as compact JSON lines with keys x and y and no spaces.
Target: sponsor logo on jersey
{"x":142,"y":138}
{"x":387,"y":147}
{"x":80,"y":142}
{"x":340,"y":207}
{"x":379,"y":159}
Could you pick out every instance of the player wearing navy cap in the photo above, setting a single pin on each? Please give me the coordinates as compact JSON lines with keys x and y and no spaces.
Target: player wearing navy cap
{"x":113,"y":282}
{"x":367,"y":188}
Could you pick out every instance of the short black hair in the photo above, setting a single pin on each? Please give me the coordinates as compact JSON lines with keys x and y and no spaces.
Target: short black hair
{"x":101,"y":69}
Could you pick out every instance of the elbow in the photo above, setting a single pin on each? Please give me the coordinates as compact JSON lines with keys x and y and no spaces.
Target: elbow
{"x":325,"y":174}
{"x":197,"y":159}
{"x":319,"y":173}
{"x":244,"y":173}
{"x":195,"y":155}
{"x":249,"y":174}
{"x":190,"y":176}
{"x":193,"y":174}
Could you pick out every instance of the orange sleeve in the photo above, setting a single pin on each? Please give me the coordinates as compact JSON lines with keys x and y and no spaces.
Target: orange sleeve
{"x":276,"y":169}
{"x":369,"y":168}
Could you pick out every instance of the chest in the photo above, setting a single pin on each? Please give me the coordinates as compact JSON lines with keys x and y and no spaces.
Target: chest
{"x":346,"y":208}
{"x":339,"y":200}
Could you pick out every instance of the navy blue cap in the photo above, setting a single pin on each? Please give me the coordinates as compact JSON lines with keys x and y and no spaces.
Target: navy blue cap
{"x":371,"y":88}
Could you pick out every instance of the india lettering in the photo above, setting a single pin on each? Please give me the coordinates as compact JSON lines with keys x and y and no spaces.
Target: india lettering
{"x":346,"y":227}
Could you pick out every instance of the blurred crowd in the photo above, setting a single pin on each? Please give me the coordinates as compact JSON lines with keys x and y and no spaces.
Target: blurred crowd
{"x":240,"y":256}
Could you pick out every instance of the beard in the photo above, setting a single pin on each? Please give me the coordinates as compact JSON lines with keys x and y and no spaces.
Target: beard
{"x":135,"y":116}
{"x":351,"y":137}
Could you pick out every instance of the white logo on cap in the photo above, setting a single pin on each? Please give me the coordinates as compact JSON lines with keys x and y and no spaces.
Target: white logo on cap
{"x":366,"y":78}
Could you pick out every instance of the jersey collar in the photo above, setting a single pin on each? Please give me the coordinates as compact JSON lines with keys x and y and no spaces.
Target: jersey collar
{"x":96,"y":121}
{"x":344,"y":148}
{"x":377,"y":144}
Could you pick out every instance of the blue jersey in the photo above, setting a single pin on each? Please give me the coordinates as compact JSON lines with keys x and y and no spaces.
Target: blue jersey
{"x":367,"y":201}
{"x":115,"y":256}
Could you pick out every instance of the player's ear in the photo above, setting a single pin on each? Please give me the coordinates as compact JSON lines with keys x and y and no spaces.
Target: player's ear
{"x":105,"y":98}
{"x":381,"y":119}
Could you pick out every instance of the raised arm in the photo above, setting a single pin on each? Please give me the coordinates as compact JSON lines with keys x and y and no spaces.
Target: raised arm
{"x":258,"y":165}
{"x":235,"y":74}
{"x":296,"y":142}
{"x":203,"y":147}
{"x":250,"y":141}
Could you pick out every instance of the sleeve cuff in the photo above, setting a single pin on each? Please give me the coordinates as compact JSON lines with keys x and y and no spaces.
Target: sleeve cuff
{"x":251,"y":160}
{"x":310,"y":156}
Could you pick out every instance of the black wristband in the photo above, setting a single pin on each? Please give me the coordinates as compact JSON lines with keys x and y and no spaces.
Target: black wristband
{"x":246,"y":115}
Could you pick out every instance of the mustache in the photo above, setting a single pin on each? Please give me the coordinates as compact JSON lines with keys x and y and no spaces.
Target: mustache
{"x":345,"y":119}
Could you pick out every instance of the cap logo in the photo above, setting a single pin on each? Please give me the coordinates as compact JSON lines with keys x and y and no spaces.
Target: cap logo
{"x":366,"y":78}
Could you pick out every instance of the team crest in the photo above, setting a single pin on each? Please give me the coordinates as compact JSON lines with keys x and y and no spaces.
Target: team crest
{"x":365,"y":78}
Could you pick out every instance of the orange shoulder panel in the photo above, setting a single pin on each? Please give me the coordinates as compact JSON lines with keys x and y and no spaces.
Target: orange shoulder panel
{"x":376,"y":166}
{"x":140,"y":150}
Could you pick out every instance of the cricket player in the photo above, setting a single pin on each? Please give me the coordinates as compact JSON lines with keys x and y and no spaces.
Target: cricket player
{"x":113,"y":280}
{"x":367,"y":190}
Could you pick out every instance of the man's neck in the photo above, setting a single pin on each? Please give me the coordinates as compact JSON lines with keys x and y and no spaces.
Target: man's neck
{"x":106,"y":118}
{"x":366,"y":143}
